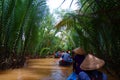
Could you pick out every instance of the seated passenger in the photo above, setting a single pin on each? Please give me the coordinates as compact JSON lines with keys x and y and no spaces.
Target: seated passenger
{"x":65,"y":59}
{"x":57,"y":54}
{"x":84,"y":73}
{"x":78,"y":57}
{"x":91,"y":64}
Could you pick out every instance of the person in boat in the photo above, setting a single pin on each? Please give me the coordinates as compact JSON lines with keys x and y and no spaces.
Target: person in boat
{"x":91,"y":64}
{"x":78,"y":55}
{"x":66,"y":59}
{"x":84,"y":66}
{"x":57,"y":54}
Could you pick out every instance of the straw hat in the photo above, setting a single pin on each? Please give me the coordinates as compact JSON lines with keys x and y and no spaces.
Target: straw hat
{"x":79,"y":51}
{"x":91,"y":63}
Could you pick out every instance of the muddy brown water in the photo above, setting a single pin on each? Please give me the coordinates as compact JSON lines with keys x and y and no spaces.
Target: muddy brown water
{"x":40,"y":69}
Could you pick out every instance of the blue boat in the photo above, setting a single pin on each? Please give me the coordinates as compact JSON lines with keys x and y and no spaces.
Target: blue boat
{"x":102,"y":76}
{"x":72,"y":76}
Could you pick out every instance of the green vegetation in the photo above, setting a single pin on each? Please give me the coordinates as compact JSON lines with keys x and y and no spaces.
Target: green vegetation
{"x":95,"y":27}
{"x":27,"y":29}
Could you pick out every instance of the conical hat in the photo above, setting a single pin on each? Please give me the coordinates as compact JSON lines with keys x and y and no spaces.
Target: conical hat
{"x":79,"y":51}
{"x":91,"y":63}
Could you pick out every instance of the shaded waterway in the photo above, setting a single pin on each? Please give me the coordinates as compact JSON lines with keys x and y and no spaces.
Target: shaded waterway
{"x":38,"y":69}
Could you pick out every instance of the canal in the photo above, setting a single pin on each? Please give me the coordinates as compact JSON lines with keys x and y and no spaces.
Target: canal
{"x":41,"y":69}
{"x":38,"y":69}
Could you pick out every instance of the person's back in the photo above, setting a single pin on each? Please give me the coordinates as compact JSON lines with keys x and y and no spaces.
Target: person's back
{"x":66,"y":57}
{"x":78,"y":59}
{"x":91,"y":73}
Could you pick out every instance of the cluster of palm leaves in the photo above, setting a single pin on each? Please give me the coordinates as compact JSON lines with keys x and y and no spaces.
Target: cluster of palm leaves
{"x":26,"y":28}
{"x":23,"y":31}
{"x":95,"y":27}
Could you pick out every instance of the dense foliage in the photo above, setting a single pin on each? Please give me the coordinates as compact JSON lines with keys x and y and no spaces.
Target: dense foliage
{"x":95,"y":27}
{"x":26,"y":28}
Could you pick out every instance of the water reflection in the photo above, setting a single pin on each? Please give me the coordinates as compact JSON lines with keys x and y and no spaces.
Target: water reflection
{"x":38,"y":69}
